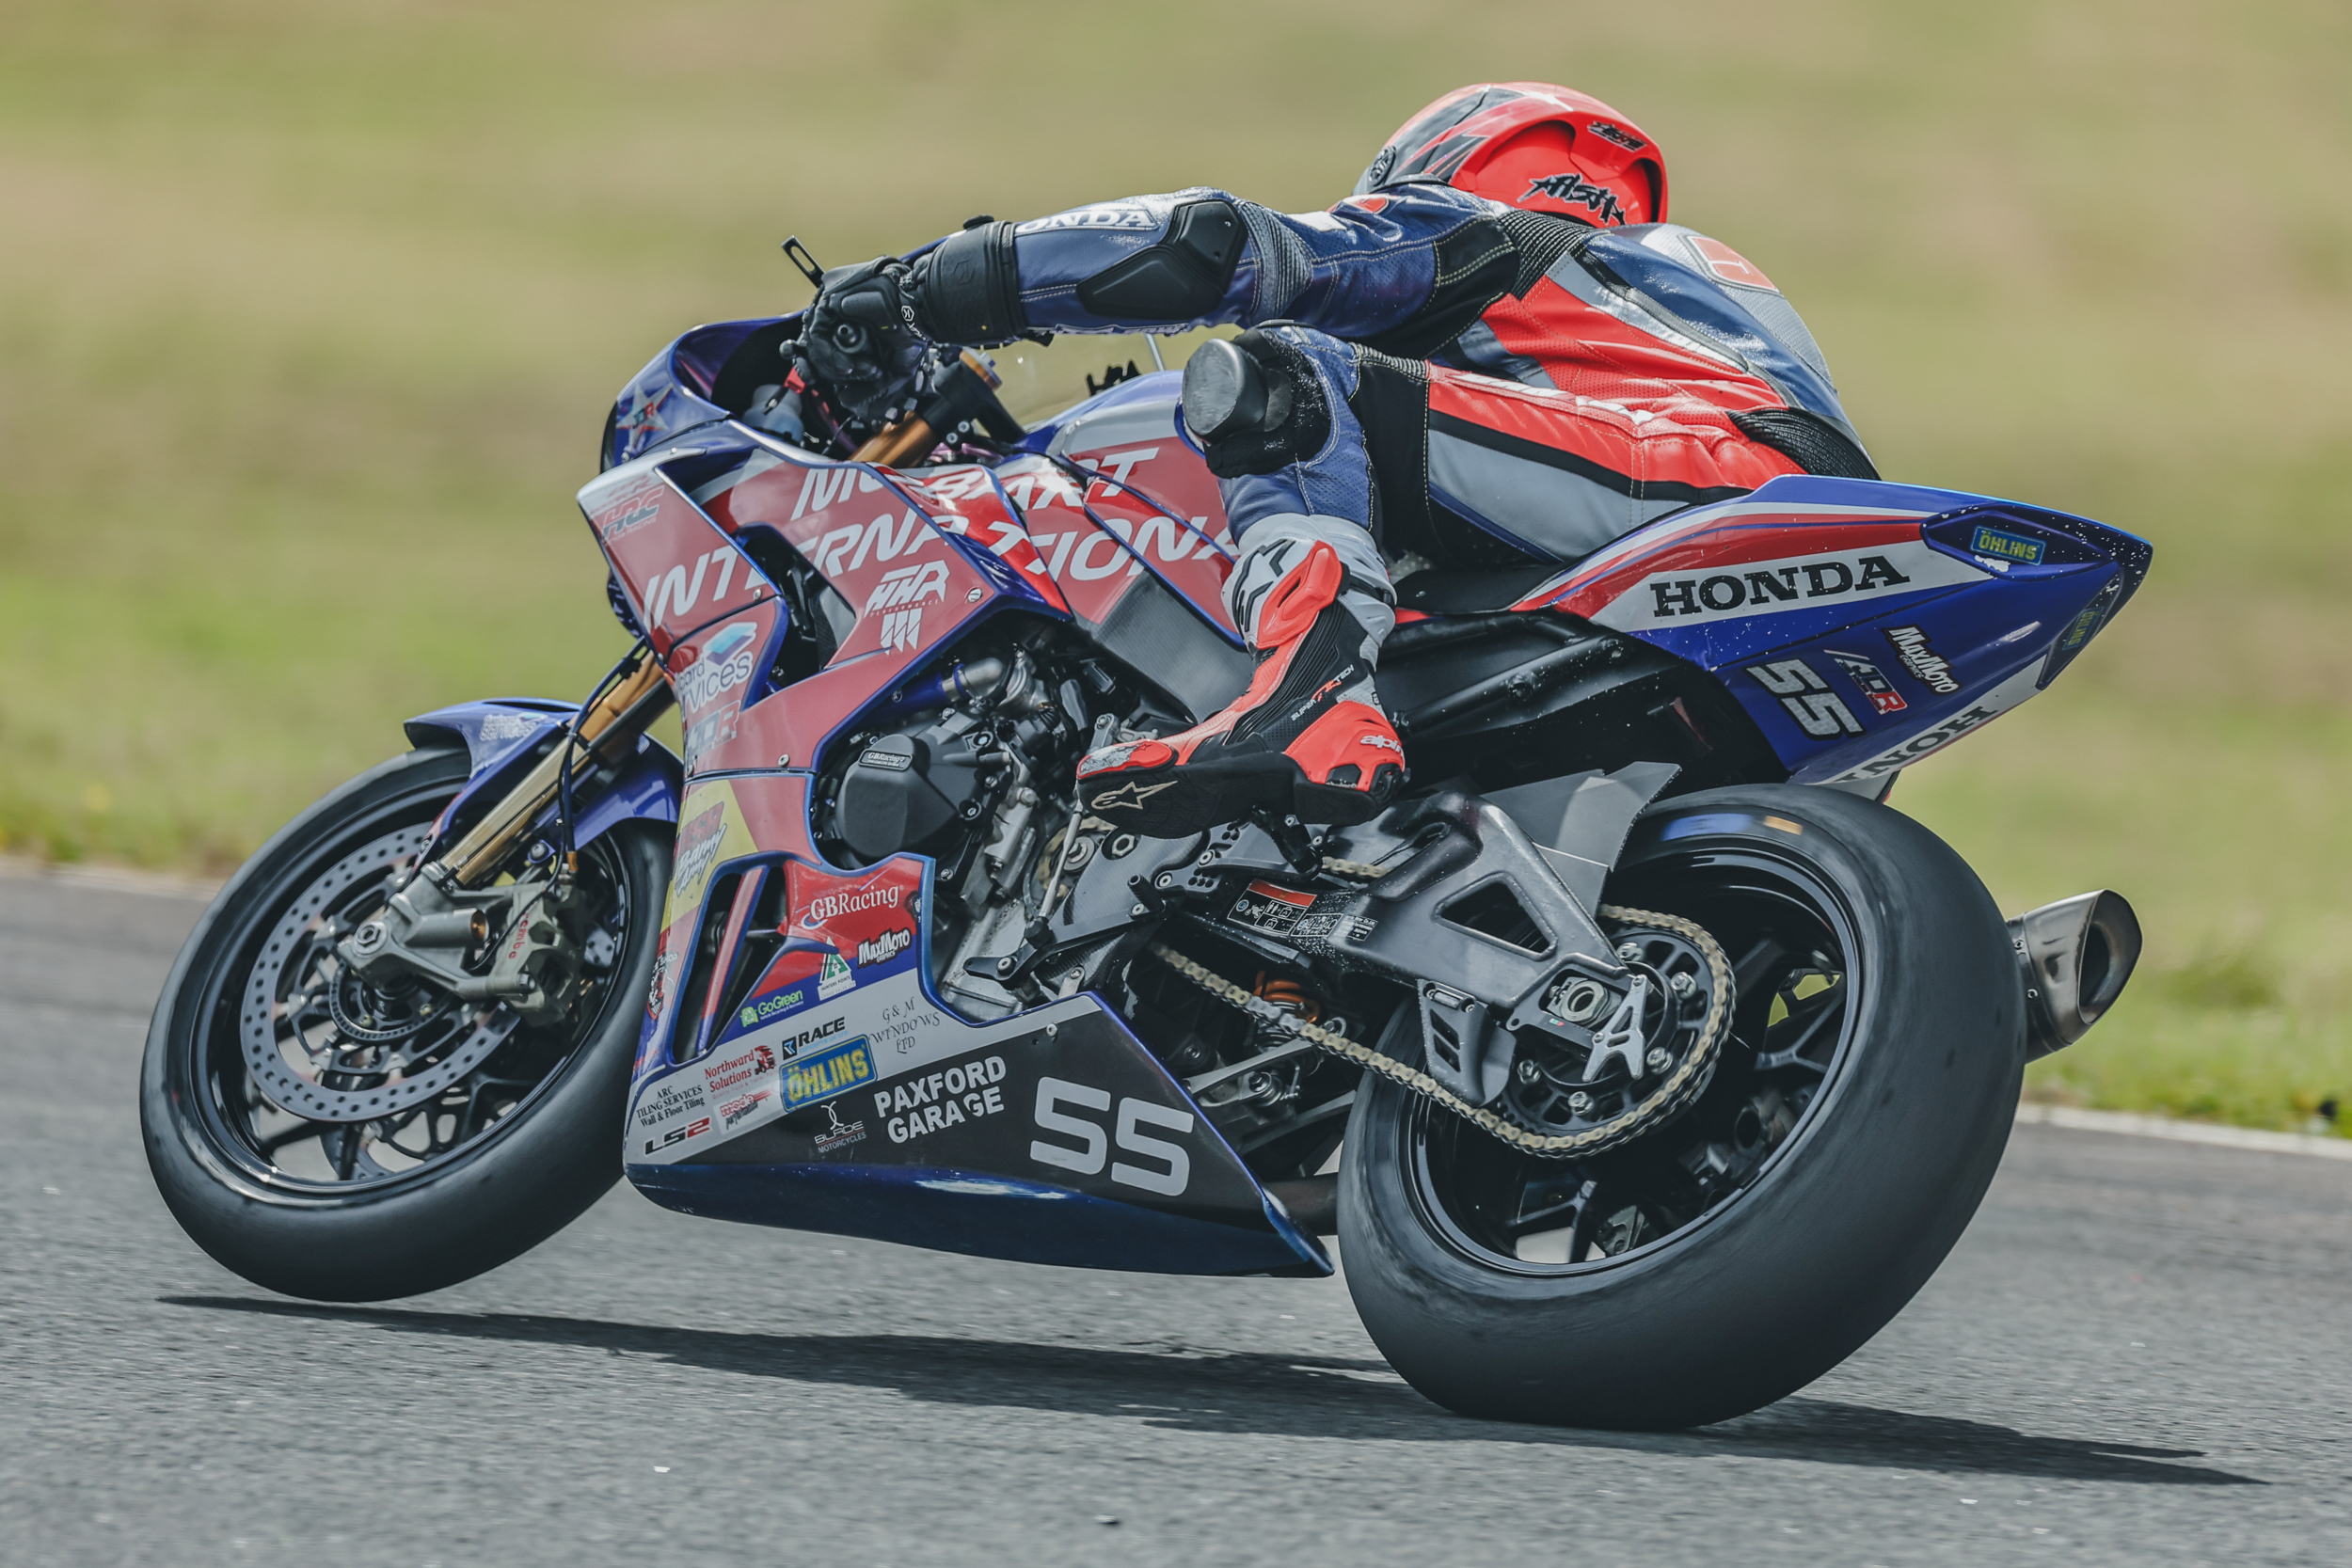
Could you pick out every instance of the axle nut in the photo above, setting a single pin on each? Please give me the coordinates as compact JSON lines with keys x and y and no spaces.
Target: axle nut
{"x":1582,"y":1001}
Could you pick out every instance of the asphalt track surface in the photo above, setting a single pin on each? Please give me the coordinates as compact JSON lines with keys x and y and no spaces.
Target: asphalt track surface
{"x":2141,"y":1352}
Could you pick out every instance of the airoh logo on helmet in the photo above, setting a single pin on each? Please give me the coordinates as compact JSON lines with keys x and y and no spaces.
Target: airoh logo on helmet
{"x":1623,"y":139}
{"x":1570,"y":188}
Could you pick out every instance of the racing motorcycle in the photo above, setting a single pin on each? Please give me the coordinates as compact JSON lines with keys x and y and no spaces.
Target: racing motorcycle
{"x":1643,"y":1061}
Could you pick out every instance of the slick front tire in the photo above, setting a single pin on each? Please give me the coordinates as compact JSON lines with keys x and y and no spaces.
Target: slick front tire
{"x":1740,"y":1251}
{"x":363,"y":1211}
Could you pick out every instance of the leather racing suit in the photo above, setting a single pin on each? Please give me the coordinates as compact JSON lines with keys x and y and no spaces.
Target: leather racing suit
{"x":1463,"y":382}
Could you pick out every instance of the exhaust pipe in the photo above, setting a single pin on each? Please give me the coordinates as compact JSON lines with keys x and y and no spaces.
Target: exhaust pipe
{"x":2073,"y":956}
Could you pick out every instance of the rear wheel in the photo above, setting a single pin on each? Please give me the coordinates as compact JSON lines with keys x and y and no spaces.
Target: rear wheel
{"x":328,"y":1138}
{"x":1733,"y":1255}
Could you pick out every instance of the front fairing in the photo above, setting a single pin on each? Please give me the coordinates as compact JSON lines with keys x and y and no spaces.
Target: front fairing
{"x":679,"y":389}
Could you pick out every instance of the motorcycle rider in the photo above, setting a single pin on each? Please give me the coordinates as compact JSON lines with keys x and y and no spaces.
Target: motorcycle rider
{"x":1496,"y":349}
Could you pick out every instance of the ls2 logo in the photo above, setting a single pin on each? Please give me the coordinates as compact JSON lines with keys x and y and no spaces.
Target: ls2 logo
{"x":1093,"y":1149}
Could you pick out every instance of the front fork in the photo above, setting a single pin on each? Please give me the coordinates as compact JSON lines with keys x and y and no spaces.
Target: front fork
{"x":514,"y":944}
{"x":619,"y":717}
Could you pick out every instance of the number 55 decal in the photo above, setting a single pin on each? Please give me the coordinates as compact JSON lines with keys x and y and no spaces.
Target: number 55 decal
{"x":1134,"y":1117}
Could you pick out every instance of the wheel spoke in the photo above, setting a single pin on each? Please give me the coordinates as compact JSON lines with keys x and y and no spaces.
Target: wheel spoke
{"x":299,"y":1012}
{"x":1792,"y":975}
{"x":1825,"y":1006}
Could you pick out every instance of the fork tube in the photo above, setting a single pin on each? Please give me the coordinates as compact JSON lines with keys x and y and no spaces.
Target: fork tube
{"x":619,"y":717}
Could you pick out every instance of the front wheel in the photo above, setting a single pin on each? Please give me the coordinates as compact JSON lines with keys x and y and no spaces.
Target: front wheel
{"x":1728,"y":1259}
{"x":328,"y":1138}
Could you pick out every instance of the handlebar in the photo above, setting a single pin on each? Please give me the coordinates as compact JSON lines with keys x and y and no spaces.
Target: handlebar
{"x":965,"y":393}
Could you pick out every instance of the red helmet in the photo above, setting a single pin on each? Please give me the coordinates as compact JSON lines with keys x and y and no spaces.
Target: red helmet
{"x":1531,"y":144}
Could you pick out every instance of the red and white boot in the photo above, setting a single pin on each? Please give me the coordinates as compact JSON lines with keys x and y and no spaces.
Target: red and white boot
{"x":1308,"y":739}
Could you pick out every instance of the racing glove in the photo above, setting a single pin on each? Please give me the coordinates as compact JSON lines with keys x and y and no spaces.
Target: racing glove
{"x":860,"y":340}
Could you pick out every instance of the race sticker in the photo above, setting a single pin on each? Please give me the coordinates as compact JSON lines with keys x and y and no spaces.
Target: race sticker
{"x":1270,"y":908}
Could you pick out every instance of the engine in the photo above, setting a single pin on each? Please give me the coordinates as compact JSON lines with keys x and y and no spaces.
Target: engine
{"x":975,"y":769}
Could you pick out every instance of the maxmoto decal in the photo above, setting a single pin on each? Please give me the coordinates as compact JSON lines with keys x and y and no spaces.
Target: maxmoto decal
{"x":868,"y":920}
{"x":1926,"y":666}
{"x":1972,"y":716}
{"x":1818,"y":710}
{"x":883,"y":948}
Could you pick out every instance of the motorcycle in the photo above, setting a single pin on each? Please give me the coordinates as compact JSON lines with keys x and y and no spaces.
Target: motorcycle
{"x":1642,"y":1060}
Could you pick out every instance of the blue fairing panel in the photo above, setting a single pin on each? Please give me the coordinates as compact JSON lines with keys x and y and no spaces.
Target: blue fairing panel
{"x":493,"y":729}
{"x":980,"y":1214}
{"x":845,"y":1098}
{"x":1863,"y":624}
{"x":674,"y":393}
{"x":501,"y":737}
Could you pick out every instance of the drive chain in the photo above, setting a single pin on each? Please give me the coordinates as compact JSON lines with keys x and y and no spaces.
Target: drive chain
{"x":1679,"y":1087}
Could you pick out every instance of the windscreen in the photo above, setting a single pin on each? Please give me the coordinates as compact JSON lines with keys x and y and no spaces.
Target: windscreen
{"x":1041,"y":382}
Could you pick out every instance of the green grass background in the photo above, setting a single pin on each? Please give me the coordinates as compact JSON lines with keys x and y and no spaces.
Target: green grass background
{"x":310,"y":310}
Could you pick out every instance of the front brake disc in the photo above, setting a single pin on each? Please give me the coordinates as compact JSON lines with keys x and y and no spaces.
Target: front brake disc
{"x":288,"y":1050}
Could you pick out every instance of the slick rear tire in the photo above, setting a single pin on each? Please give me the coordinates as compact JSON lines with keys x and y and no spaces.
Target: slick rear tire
{"x":1838,"y":1228}
{"x":519,"y":1181}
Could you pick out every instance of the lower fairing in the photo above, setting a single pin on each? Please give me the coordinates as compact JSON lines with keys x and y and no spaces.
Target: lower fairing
{"x":1050,"y":1137}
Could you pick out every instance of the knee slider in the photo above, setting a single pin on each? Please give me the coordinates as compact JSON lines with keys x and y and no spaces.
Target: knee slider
{"x":1182,"y":275}
{"x":1255,"y":404}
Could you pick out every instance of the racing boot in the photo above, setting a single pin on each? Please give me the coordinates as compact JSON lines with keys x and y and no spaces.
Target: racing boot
{"x":1308,"y":739}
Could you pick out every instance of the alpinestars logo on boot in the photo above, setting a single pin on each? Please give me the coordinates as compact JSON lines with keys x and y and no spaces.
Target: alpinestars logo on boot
{"x":1129,"y":797}
{"x":1573,"y":189}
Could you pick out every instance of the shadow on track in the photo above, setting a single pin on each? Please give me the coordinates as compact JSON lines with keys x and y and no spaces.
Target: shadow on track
{"x":1196,"y":1390}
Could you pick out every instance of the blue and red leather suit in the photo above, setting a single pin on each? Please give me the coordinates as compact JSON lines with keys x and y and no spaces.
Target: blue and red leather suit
{"x":1551,"y":385}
